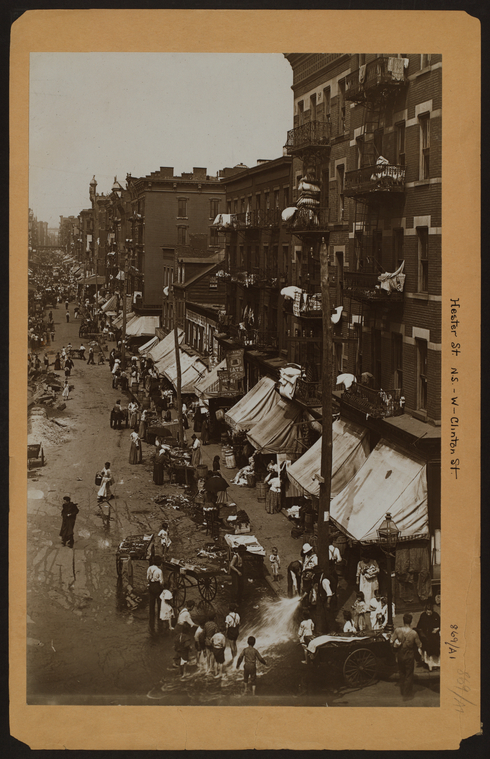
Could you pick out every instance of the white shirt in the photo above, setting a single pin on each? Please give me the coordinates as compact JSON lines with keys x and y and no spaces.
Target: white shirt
{"x":349,"y":626}
{"x":327,"y":587}
{"x":306,"y":628}
{"x":334,"y":554}
{"x":184,"y":616}
{"x":232,"y":620}
{"x":154,"y":574}
{"x":310,"y":561}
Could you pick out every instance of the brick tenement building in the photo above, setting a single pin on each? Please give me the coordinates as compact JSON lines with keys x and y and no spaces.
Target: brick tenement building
{"x":366,"y":112}
{"x":257,"y":263}
{"x":366,"y":147}
{"x":170,"y":210}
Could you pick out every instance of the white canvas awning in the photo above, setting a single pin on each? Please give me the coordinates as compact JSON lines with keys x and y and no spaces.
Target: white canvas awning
{"x":278,"y":430}
{"x":389,"y":481}
{"x":110,"y":305}
{"x":350,"y":448}
{"x":143,"y":326}
{"x":250,"y":409}
{"x":163,"y":354}
{"x":192,"y":370}
{"x":119,"y":321}
{"x":152,"y":342}
{"x":208,"y":387}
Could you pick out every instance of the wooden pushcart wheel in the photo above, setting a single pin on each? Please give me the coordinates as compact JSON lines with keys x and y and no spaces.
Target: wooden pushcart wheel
{"x":179,"y":589}
{"x":208,"y":587}
{"x":360,"y":668}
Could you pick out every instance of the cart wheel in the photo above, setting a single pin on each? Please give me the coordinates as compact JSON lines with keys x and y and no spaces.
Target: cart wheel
{"x":205,"y":608}
{"x":360,"y":668}
{"x":208,"y":587}
{"x":179,"y":590}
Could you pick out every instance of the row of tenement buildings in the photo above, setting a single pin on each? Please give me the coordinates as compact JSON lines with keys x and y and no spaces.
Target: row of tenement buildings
{"x":360,"y":181}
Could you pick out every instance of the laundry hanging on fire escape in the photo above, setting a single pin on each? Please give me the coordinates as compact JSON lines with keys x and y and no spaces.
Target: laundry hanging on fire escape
{"x":395,"y":281}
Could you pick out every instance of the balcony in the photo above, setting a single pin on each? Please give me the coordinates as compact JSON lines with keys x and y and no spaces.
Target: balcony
{"x":365,"y":287}
{"x":378,"y":404}
{"x":314,"y":134}
{"x":374,"y":79}
{"x":309,"y":393}
{"x":267,"y":218}
{"x":371,"y":180}
{"x":304,"y":306}
{"x":253,"y":338}
{"x":308,"y":221}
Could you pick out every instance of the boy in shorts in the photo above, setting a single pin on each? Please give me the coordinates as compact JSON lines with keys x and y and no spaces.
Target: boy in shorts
{"x":250,"y":655}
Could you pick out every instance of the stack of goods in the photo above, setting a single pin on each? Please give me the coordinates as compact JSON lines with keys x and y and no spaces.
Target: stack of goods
{"x":242,"y":522}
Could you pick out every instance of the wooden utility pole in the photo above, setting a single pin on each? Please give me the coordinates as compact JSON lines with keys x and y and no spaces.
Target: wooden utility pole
{"x":125,"y":298}
{"x":177,"y":364}
{"x":326,"y":458}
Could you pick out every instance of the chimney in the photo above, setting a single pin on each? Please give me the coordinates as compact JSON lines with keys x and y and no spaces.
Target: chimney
{"x":166,"y":172}
{"x":199,"y":173}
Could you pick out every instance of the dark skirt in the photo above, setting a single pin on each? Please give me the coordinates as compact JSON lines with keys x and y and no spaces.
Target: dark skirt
{"x":135,"y":454}
{"x":158,"y":468}
{"x":67,"y":527}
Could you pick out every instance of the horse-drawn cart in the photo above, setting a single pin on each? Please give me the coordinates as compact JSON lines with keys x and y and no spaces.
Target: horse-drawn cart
{"x":358,"y":659}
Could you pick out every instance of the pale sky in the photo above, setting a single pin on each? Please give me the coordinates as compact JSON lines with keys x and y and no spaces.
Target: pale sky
{"x":111,"y":114}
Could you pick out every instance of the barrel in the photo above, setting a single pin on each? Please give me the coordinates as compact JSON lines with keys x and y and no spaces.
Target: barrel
{"x":230,"y":462}
{"x":250,"y":480}
{"x":202,"y":471}
{"x":262,"y":489}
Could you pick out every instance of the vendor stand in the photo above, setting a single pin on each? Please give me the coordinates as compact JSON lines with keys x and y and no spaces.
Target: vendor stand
{"x":358,"y":658}
{"x":131,"y":549}
{"x":254,"y":555}
{"x":182,"y":576}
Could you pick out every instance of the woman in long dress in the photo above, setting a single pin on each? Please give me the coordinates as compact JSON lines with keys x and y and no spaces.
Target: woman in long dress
{"x":429,"y":630}
{"x":105,"y":487}
{"x":135,"y":453}
{"x":143,"y":425}
{"x":159,"y":466}
{"x":196,"y":452}
{"x":133,"y":414}
{"x":367,"y":577}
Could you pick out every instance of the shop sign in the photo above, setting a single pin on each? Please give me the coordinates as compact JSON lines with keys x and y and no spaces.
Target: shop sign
{"x":235,"y":364}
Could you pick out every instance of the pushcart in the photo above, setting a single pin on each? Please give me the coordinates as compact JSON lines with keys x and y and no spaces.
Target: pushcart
{"x":183,"y":576}
{"x":357,"y":659}
{"x":134,"y":548}
{"x":35,"y":453}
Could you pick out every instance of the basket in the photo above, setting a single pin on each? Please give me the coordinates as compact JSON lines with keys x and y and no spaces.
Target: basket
{"x":98,"y":479}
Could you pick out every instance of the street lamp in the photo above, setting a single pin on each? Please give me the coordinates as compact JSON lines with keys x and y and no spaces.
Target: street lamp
{"x":388,"y":534}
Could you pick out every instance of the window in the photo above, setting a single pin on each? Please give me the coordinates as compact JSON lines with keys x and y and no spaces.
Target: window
{"x":242,"y":205}
{"x":425,"y":60}
{"x":358,"y":249}
{"x":242,"y":257}
{"x":285,"y":259}
{"x":360,"y":151}
{"x":228,"y":206}
{"x":276,"y":198}
{"x":267,"y":201}
{"x":286,"y":197}
{"x":248,"y":263}
{"x":424,"y":122}
{"x":421,"y":373}
{"x":182,"y":235}
{"x":325,"y":188}
{"x":266,"y":256}
{"x":274,"y":261}
{"x":301,"y":114}
{"x":400,"y":143}
{"x":377,"y":248}
{"x":326,"y":104}
{"x":378,"y":142}
{"x":213,"y":236}
{"x":257,"y":202}
{"x":313,"y":107}
{"x":377,"y":356}
{"x":423,"y":258}
{"x":182,"y":208}
{"x":235,"y":205}
{"x":214,"y":209}
{"x":341,"y":107}
{"x":397,"y":359}
{"x":339,"y":263}
{"x":256,"y":257}
{"x":398,"y":240}
{"x":340,"y":190}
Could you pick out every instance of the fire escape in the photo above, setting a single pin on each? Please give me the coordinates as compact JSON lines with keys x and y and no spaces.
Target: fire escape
{"x":310,"y":143}
{"x":377,"y":187}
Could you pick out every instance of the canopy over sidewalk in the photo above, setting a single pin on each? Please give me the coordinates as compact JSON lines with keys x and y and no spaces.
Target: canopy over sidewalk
{"x":191,"y":369}
{"x":350,"y":448}
{"x":278,"y":430}
{"x":143,"y":326}
{"x":389,"y":481}
{"x":152,"y":342}
{"x":209,"y":386}
{"x":253,"y":406}
{"x":165,"y":346}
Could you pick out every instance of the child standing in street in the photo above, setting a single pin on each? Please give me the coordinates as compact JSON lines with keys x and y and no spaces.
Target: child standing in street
{"x":232,"y":625}
{"x":250,"y":655}
{"x":164,"y":538}
{"x":275,"y":564}
{"x":360,"y":612}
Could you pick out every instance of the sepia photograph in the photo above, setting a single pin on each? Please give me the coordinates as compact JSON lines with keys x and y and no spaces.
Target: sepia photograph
{"x":251,"y":400}
{"x":234,"y":379}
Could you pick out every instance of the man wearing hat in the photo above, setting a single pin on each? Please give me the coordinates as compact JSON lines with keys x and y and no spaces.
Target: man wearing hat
{"x":310,"y":564}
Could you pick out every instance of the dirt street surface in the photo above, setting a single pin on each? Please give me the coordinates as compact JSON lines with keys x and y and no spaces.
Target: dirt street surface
{"x":87,"y":634}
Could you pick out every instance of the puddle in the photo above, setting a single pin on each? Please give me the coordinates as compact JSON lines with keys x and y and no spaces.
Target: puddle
{"x":35,"y":495}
